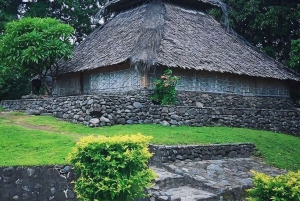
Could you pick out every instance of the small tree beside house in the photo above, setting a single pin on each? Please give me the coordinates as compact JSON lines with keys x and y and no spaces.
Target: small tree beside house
{"x":35,"y":45}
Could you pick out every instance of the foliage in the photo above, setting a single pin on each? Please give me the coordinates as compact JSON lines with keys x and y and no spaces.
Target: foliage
{"x":76,"y":13}
{"x":270,"y":25}
{"x":282,"y":187}
{"x":112,"y":168}
{"x":13,"y":84}
{"x":35,"y":45}
{"x":295,"y":55}
{"x":164,"y":89}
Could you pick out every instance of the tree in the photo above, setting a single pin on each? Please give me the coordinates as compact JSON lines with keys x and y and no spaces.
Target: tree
{"x":295,"y":55}
{"x":35,"y":45}
{"x":270,"y":25}
{"x":77,"y":13}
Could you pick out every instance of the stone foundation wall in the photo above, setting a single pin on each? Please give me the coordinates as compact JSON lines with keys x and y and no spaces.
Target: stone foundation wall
{"x":107,"y":110}
{"x":53,"y":183}
{"x":233,"y":101}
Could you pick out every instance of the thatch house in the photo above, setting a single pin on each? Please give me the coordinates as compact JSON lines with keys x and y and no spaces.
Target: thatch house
{"x":144,"y":38}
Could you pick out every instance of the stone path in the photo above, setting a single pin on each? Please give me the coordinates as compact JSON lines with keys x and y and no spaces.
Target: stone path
{"x":208,"y":180}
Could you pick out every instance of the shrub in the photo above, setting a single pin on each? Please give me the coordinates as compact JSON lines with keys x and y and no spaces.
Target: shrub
{"x":282,"y":187}
{"x":164,"y":89}
{"x":112,"y":168}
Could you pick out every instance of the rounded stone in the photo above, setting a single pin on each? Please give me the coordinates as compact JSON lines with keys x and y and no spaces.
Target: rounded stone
{"x":104,"y":119}
{"x":94,"y":121}
{"x":137,"y":105}
{"x":121,"y":121}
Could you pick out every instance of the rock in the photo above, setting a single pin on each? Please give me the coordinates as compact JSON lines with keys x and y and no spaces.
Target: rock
{"x":199,"y":104}
{"x":164,"y":123}
{"x":52,"y":190}
{"x":30,"y":171}
{"x":65,"y":170}
{"x":137,"y":105}
{"x":173,"y":122}
{"x":121,"y":121}
{"x":76,"y":117}
{"x":38,"y":186}
{"x":87,"y":118}
{"x":94,"y":121}
{"x":179,"y":157}
{"x":164,"y":110}
{"x":232,"y":154}
{"x":178,"y":171}
{"x":69,"y":194}
{"x":104,"y":119}
{"x":58,"y":114}
{"x":163,"y":198}
{"x":176,"y":117}
{"x":33,"y":112}
{"x":129,"y":121}
{"x":247,"y":182}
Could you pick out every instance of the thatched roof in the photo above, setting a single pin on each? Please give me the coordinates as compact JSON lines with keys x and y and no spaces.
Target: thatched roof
{"x":174,"y":36}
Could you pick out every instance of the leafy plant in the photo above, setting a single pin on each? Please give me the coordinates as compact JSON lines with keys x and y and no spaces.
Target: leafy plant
{"x":282,"y":187}
{"x":164,"y":89}
{"x":112,"y":168}
{"x":35,"y":45}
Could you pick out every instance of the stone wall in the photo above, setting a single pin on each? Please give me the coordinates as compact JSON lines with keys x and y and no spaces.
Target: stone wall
{"x":53,"y":183}
{"x":41,"y":183}
{"x":187,"y":98}
{"x":163,"y":154}
{"x":195,"y":109}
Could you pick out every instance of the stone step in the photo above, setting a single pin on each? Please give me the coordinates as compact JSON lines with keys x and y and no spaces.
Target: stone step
{"x":183,"y":193}
{"x":166,"y":179}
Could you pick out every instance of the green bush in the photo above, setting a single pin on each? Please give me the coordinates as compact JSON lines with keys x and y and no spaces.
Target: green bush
{"x":282,"y":187}
{"x":164,"y":89}
{"x":112,"y":168}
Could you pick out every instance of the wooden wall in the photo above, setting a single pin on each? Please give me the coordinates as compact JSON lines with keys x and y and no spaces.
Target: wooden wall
{"x":215,"y":82}
{"x":122,"y":77}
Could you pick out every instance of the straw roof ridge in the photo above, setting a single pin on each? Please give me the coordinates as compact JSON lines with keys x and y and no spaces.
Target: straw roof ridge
{"x":174,"y":36}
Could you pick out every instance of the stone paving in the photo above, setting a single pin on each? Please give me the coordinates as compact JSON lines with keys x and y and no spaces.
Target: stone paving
{"x":208,"y":180}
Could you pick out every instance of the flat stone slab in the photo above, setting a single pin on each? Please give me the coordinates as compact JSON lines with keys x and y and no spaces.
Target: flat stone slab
{"x":207,"y":180}
{"x":224,"y":174}
{"x":190,"y":194}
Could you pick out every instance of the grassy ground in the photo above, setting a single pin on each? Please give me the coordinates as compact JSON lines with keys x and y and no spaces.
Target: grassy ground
{"x":39,"y":140}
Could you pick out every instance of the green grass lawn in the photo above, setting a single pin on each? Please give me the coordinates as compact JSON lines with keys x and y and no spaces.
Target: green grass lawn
{"x":40,"y":140}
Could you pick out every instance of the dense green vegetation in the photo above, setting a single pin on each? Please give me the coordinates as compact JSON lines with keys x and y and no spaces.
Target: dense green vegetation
{"x":282,"y":187}
{"x":164,"y":89}
{"x":112,"y":167}
{"x":270,"y":25}
{"x":36,"y":140}
{"x":34,"y":45}
{"x":14,"y":81}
